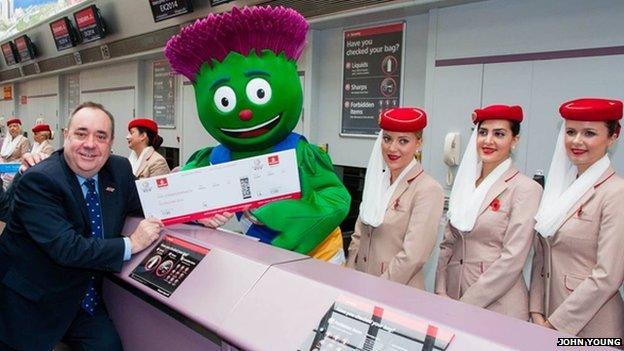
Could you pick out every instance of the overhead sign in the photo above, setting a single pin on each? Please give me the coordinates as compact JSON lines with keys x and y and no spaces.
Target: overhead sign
{"x":371,"y":83}
{"x":62,"y":31}
{"x":10,"y":53}
{"x":164,"y":9}
{"x":90,"y":24}
{"x":25,"y":48}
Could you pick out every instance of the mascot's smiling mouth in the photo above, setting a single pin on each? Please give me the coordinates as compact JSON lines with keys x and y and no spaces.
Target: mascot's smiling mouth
{"x":255,"y":130}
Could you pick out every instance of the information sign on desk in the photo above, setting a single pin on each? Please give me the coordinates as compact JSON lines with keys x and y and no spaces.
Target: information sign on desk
{"x":354,"y":324}
{"x":232,"y":186}
{"x":372,"y":61}
{"x":169,"y":263}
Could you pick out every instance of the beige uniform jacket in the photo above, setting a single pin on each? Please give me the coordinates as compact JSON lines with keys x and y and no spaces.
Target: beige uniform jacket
{"x":46,"y":148}
{"x":483,"y":267}
{"x":398,"y":249}
{"x":577,"y":272}
{"x":152,"y":165}
{"x":22,"y":147}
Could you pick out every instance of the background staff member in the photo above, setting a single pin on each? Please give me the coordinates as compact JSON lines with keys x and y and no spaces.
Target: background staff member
{"x":42,"y":135}
{"x":402,"y":205}
{"x":143,"y":141}
{"x":490,"y":228}
{"x":578,"y":264}
{"x":63,"y":234}
{"x":14,"y":144}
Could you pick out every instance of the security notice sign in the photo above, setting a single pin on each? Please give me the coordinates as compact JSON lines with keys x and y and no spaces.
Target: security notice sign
{"x":372,"y":59}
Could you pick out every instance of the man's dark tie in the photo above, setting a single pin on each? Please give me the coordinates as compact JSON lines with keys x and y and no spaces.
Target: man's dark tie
{"x":90,"y":301}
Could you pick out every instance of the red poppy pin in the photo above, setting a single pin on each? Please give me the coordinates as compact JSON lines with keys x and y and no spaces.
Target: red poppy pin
{"x":495,"y":205}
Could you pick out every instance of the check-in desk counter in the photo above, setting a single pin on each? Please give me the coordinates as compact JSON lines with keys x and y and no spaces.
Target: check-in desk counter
{"x":252,"y":296}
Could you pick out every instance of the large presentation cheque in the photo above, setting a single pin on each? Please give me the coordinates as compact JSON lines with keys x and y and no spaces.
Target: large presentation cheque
{"x":232,"y":186}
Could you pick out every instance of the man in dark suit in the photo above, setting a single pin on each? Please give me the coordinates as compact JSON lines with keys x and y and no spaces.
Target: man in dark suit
{"x":63,"y":234}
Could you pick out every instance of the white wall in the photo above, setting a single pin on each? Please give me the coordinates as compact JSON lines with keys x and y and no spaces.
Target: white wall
{"x":500,"y":27}
{"x":42,"y":101}
{"x":194,"y":136}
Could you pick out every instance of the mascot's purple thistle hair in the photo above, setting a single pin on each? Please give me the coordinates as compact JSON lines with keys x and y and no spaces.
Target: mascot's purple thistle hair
{"x":278,"y":29}
{"x":243,"y":67}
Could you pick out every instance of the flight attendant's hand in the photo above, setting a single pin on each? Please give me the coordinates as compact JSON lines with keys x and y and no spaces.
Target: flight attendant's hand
{"x":29,"y":160}
{"x":539,"y":319}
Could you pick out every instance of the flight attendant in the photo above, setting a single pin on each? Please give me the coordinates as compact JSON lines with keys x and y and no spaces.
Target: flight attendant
{"x":42,"y":135}
{"x":14,"y":146}
{"x":143,"y":141}
{"x":579,"y":257}
{"x":490,"y":228}
{"x":401,"y":207}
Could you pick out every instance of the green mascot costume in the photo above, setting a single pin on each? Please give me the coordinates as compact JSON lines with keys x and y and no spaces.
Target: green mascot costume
{"x":243,"y":67}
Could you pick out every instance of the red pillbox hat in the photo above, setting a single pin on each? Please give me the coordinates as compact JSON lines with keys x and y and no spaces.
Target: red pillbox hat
{"x":403,"y":119}
{"x":510,"y":113}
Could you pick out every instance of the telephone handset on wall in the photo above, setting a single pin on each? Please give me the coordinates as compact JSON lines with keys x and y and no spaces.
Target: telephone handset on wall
{"x":451,"y":149}
{"x":451,"y":154}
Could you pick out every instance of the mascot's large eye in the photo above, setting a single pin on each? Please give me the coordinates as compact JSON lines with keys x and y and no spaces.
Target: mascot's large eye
{"x":225,"y":99}
{"x":258,"y":91}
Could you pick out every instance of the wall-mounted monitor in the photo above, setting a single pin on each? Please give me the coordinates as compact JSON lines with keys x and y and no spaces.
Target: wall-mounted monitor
{"x":10,"y":53}
{"x":65,"y":36}
{"x":90,"y":24}
{"x":164,"y":9}
{"x":25,"y":48}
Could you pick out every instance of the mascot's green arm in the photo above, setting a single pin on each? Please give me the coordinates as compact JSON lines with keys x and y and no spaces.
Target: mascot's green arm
{"x":199,"y":158}
{"x":324,"y":204}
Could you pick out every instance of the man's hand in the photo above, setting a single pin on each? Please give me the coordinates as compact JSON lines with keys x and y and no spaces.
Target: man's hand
{"x":29,"y":160}
{"x":145,"y":234}
{"x":216,"y":221}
